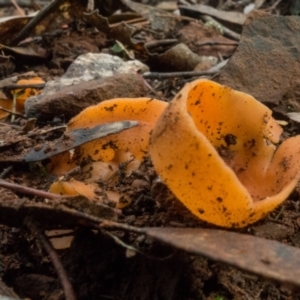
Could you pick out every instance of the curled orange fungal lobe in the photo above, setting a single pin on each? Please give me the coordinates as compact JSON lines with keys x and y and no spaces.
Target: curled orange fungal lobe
{"x":135,"y":139}
{"x":73,"y":188}
{"x":103,"y":156}
{"x":214,"y":147}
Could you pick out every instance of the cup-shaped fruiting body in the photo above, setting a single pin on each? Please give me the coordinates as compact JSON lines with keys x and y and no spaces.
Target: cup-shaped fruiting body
{"x":215,"y":149}
{"x":100,"y":158}
{"x":134,"y":140}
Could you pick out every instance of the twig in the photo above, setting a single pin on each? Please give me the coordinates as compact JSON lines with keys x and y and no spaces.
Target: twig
{"x":121,"y":226}
{"x":5,"y":172}
{"x":7,"y":293}
{"x":26,"y":3}
{"x":154,"y":44}
{"x":227,"y":32}
{"x":14,"y":108}
{"x":12,"y":113}
{"x":18,"y":8}
{"x":211,"y":71}
{"x":280,"y":212}
{"x":43,"y":13}
{"x":121,"y":243}
{"x":27,"y":190}
{"x":90,"y":5}
{"x":45,"y":131}
{"x":60,"y":270}
{"x":272,"y":7}
{"x":75,"y":171}
{"x":12,"y":87}
{"x":158,"y":75}
{"x":38,"y":193}
{"x":100,"y":223}
{"x":216,"y":43}
{"x":150,"y":88}
{"x":11,"y":80}
{"x":134,"y":250}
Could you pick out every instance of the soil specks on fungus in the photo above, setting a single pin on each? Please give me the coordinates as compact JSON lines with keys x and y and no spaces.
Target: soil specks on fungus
{"x":230,"y":139}
{"x":241,"y":147}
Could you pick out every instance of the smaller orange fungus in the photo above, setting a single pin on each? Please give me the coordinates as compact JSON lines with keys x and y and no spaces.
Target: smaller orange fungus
{"x":73,"y":188}
{"x":100,"y":159}
{"x":215,"y":149}
{"x":27,"y":92}
{"x":20,"y":96}
{"x":134,"y":140}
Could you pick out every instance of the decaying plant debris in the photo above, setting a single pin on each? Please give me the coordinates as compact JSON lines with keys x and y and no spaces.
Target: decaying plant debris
{"x":129,"y":237}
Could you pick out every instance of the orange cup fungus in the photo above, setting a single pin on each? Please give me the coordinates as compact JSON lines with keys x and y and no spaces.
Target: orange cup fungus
{"x":100,"y":158}
{"x":215,"y":149}
{"x":134,"y":140}
{"x":109,"y":149}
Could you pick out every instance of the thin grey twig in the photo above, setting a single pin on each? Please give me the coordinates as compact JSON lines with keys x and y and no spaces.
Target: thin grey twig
{"x":158,"y":75}
{"x":18,"y":8}
{"x":60,"y":270}
{"x":23,"y":3}
{"x":38,"y":193}
{"x":42,"y":14}
{"x":133,"y":249}
{"x":5,"y":172}
{"x":227,"y":32}
{"x":12,"y":113}
{"x":27,"y":190}
{"x":211,"y":71}
{"x":12,"y":87}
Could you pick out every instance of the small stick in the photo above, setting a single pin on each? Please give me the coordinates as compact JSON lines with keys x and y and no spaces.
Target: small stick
{"x":165,"y":75}
{"x":211,"y":71}
{"x":60,"y":270}
{"x":42,"y":14}
{"x":99,"y":223}
{"x":227,"y":32}
{"x":112,"y":224}
{"x":44,"y":131}
{"x":26,"y":3}
{"x":12,"y":113}
{"x":74,"y":171}
{"x":216,"y":43}
{"x":90,"y":5}
{"x":160,"y":43}
{"x":38,"y":193}
{"x":151,"y":88}
{"x":273,"y":6}
{"x":27,"y":190}
{"x":18,"y":8}
{"x":5,"y":172}
{"x":131,"y":251}
{"x":12,"y":87}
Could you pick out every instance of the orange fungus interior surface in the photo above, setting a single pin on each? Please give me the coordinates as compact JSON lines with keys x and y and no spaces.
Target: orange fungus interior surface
{"x":215,"y":148}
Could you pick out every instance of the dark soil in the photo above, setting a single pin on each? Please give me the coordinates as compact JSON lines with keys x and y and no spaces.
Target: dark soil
{"x":97,"y":266}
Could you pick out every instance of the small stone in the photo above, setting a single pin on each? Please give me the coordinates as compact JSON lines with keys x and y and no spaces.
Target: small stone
{"x":266,"y":64}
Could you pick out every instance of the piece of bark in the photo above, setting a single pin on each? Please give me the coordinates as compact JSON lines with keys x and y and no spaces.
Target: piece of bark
{"x":69,"y":101}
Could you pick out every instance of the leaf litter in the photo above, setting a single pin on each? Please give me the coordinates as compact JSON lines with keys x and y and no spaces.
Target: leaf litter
{"x":123,"y":256}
